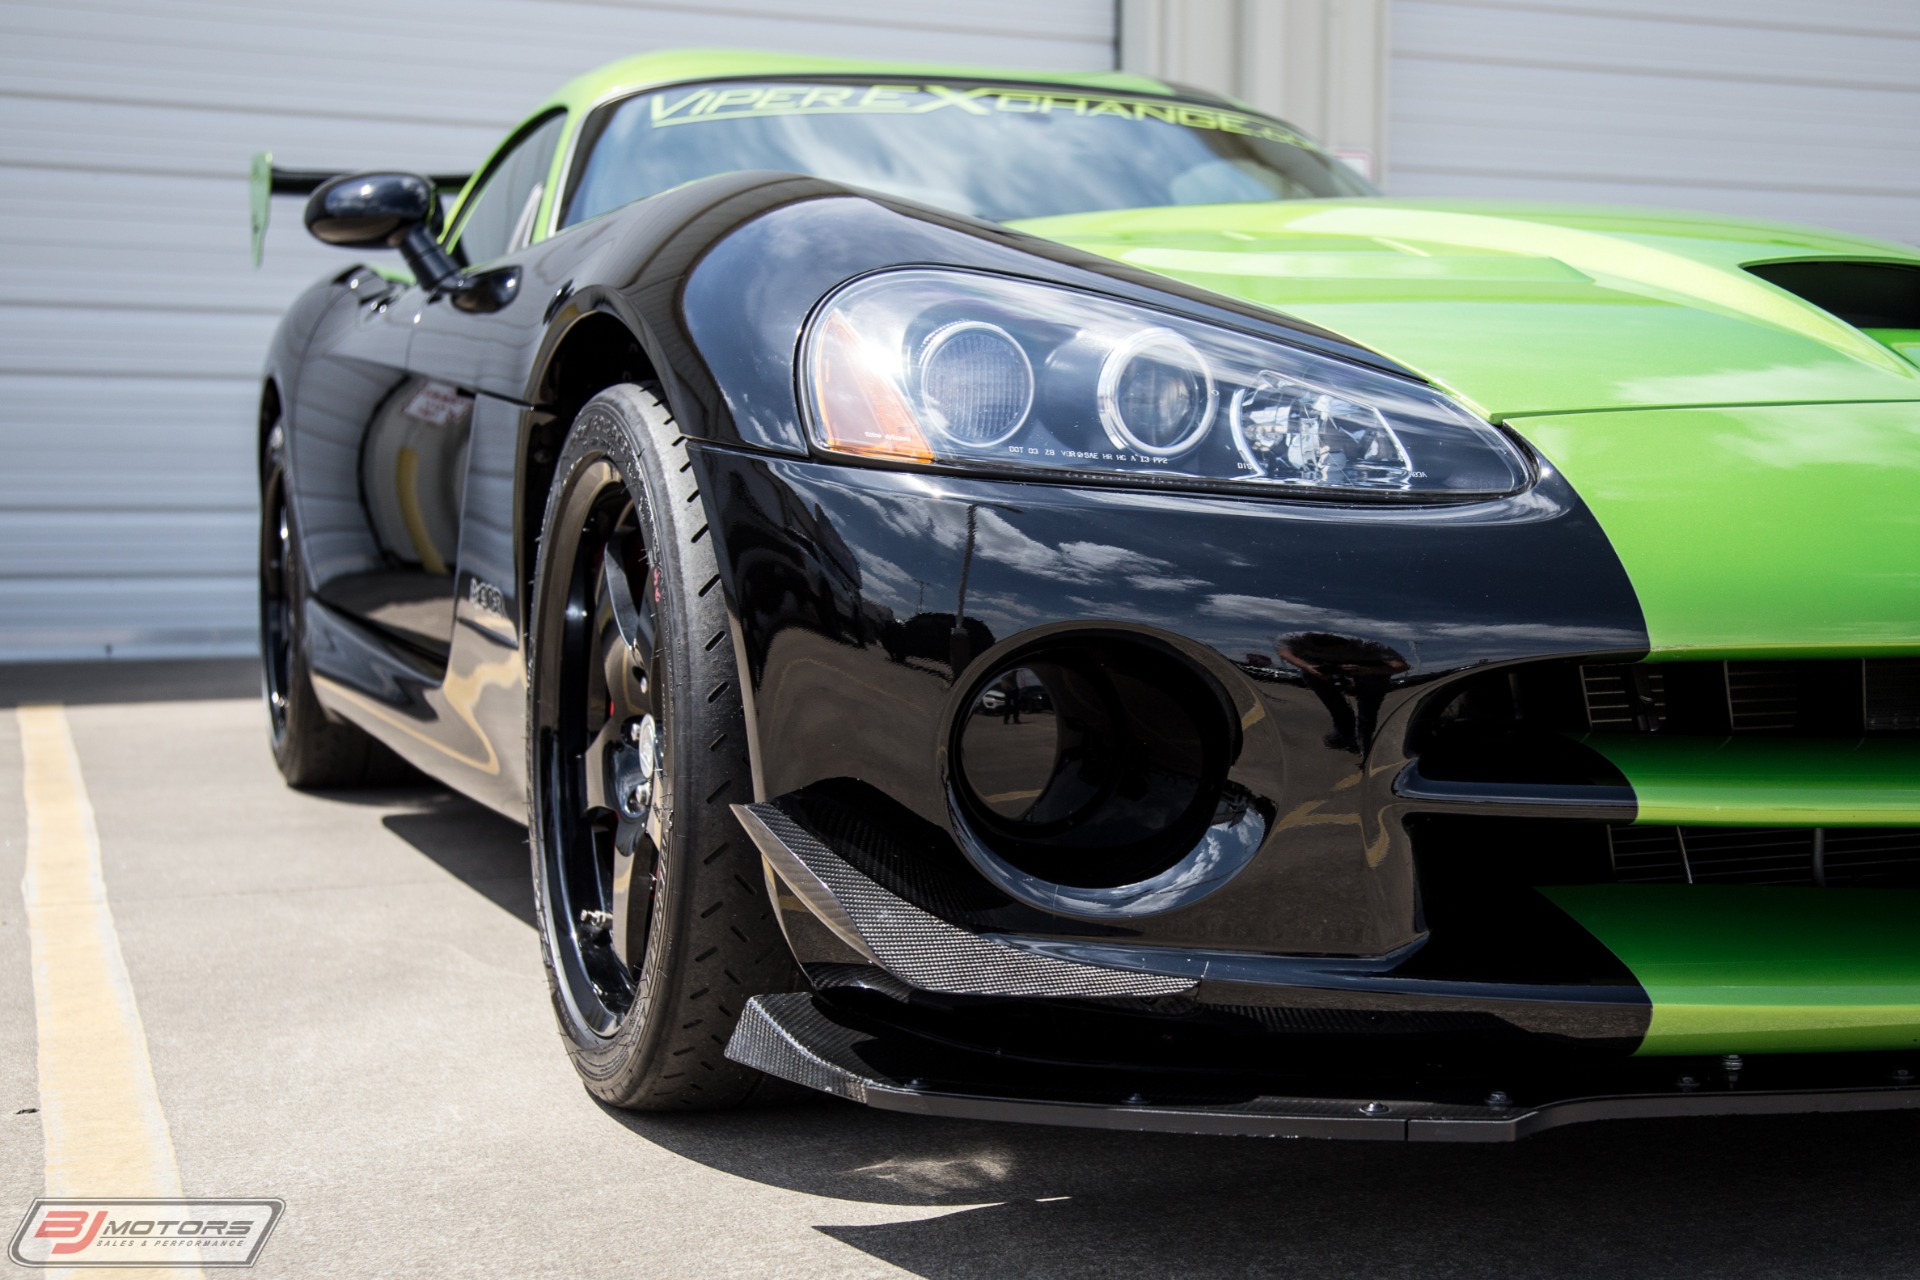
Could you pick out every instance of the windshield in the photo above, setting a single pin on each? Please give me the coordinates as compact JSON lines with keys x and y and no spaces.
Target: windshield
{"x":1000,"y":152}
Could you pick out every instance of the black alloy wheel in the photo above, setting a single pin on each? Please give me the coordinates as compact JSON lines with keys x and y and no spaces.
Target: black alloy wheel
{"x":277,"y":612}
{"x":654,"y":916}
{"x":603,"y":767}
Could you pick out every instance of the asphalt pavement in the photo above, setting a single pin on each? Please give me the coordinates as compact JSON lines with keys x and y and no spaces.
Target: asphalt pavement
{"x":342,"y":1003}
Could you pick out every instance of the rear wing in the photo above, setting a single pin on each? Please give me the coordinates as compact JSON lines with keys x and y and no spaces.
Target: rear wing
{"x":265,"y":180}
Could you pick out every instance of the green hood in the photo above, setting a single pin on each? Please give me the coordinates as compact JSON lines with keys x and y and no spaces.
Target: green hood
{"x":1681,"y":395}
{"x":1523,"y":309}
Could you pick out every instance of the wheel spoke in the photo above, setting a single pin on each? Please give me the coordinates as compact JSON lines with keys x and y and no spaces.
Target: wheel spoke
{"x":623,"y":634}
{"x":598,"y":765}
{"x":621,"y":903}
{"x":634,"y":851}
{"x":633,"y":617}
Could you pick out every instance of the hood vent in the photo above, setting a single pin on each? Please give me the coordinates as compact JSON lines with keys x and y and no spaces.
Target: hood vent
{"x":1867,"y":295}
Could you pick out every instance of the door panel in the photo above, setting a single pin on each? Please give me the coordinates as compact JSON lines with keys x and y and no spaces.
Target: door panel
{"x":354,"y":367}
{"x":412,"y":472}
{"x":483,"y":700}
{"x":428,"y":463}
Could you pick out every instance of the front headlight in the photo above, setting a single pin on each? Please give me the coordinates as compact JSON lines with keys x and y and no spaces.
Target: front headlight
{"x":959,"y":368}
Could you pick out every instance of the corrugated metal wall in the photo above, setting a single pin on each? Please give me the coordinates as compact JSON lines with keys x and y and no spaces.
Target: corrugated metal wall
{"x":132,"y":328}
{"x":1768,"y":108}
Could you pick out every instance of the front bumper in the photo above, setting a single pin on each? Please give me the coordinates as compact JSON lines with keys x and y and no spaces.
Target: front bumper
{"x":813,"y":1042}
{"x":869,"y":605}
{"x":868,"y":602}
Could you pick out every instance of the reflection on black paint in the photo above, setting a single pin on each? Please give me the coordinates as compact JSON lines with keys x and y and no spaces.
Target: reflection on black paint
{"x":1350,"y":676}
{"x":1012,"y":741}
{"x":1382,"y":623}
{"x":934,"y":638}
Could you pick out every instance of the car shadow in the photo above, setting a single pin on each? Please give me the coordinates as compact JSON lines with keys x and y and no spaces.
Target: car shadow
{"x":1777,"y":1196}
{"x":1814,"y":1196}
{"x":1783,"y":1196}
{"x":469,"y":841}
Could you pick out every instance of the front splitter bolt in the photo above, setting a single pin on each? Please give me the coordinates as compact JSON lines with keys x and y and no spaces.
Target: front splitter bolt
{"x":1374,"y":1109}
{"x":1499,"y":1098}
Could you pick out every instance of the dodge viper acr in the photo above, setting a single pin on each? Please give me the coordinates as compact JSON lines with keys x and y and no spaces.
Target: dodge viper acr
{"x":1046,"y":597}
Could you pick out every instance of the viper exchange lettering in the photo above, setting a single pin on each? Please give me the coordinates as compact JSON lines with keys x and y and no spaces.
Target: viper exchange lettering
{"x":737,"y":102}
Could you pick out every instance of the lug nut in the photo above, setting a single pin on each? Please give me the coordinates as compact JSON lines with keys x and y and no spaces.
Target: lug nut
{"x":645,"y":736}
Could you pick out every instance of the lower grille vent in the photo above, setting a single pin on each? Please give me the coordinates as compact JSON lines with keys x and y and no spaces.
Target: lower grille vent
{"x":1892,"y":689}
{"x":1762,"y":697}
{"x":1832,"y":856}
{"x":1624,"y":699}
{"x":1825,"y":698}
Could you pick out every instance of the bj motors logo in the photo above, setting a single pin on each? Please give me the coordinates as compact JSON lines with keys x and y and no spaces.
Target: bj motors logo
{"x":144,"y":1233}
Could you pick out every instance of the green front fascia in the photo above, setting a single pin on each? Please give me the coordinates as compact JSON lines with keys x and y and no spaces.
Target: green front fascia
{"x":1752,"y":969}
{"x":1755,"y":463}
{"x":1761,"y":781}
{"x":1787,"y":531}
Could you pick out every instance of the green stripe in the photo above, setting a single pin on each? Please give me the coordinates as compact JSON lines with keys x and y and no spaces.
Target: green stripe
{"x":1751,"y":969}
{"x":1757,"y":532}
{"x":1768,"y":782}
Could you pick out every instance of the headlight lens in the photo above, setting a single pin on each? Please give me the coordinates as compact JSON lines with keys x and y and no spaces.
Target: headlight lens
{"x":934,"y":366}
{"x":1156,"y":394}
{"x":976,"y":385}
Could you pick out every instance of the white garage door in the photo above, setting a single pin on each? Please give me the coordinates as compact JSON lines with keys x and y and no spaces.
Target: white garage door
{"x":1784,"y":109}
{"x":131,"y":327}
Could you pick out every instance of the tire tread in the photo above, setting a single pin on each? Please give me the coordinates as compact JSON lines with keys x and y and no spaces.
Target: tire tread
{"x":725,"y":946}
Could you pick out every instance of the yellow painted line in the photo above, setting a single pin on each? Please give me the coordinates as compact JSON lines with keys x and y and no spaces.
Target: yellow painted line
{"x":105,"y":1132}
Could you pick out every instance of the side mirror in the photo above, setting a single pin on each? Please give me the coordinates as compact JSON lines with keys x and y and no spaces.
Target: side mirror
{"x":372,"y":210}
{"x":385,"y":211}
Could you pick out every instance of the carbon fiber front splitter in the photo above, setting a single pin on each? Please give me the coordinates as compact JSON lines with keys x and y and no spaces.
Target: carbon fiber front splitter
{"x":801,"y":1038}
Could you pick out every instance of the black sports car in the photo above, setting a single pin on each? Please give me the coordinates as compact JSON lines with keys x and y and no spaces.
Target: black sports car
{"x":1045,"y":597}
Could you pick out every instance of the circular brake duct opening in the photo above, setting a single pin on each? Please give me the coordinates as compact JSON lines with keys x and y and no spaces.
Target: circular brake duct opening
{"x":1093,"y":763}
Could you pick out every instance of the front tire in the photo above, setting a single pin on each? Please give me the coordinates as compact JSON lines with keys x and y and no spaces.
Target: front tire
{"x":654,"y":920}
